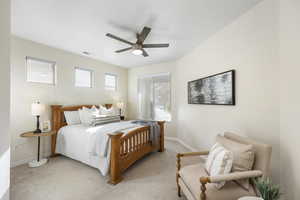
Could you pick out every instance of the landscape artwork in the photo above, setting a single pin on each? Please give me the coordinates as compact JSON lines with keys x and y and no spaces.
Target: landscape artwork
{"x":218,"y":89}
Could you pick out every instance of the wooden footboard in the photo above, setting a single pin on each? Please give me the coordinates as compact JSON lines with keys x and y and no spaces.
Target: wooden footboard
{"x":126,"y":150}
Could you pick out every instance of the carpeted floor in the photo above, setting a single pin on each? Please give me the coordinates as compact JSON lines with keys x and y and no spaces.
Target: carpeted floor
{"x":152,"y":178}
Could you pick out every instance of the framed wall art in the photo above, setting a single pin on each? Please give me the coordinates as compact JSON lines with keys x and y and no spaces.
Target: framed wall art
{"x":217,"y":89}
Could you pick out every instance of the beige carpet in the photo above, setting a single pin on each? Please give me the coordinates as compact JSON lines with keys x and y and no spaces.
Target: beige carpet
{"x":152,"y":178}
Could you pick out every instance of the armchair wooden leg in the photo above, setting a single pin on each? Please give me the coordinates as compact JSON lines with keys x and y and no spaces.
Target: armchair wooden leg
{"x":203,"y":194}
{"x":178,"y":186}
{"x":177,"y":174}
{"x":204,"y":181}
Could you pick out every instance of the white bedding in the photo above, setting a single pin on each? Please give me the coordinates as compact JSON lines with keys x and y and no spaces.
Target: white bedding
{"x":90,"y":145}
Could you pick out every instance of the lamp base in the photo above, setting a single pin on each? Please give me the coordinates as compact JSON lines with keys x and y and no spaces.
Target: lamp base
{"x":36,"y":163}
{"x":37,"y":131}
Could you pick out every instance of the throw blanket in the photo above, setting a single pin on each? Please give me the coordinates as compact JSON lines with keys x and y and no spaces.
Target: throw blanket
{"x":154,"y":129}
{"x":99,"y":142}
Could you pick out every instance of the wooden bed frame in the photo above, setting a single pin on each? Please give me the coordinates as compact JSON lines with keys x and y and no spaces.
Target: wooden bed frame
{"x":125,"y":150}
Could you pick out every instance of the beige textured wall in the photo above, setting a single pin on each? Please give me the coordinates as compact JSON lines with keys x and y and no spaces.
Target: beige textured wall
{"x":135,"y":73}
{"x":64,"y":92}
{"x":290,"y":97}
{"x":5,"y":97}
{"x":250,"y":46}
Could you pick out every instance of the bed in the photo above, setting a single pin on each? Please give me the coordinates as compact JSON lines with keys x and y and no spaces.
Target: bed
{"x":126,"y":142}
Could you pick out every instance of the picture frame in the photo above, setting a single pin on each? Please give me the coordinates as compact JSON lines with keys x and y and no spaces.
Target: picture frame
{"x":217,"y":89}
{"x":46,"y":126}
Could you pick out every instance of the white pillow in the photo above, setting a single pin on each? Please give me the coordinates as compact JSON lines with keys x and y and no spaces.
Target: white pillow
{"x":219,"y":162}
{"x":86,"y":115}
{"x":72,"y":117}
{"x":108,"y":112}
{"x":81,"y":115}
{"x":95,"y":110}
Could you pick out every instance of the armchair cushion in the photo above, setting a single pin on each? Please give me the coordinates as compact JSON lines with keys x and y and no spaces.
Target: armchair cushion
{"x":190,"y":184}
{"x":243,"y":157}
{"x":262,"y":152}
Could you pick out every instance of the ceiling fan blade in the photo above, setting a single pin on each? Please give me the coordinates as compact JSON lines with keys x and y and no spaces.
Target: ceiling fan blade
{"x":119,"y":39}
{"x":155,"y":45}
{"x":122,"y":50}
{"x":143,"y":35}
{"x":145,"y":54}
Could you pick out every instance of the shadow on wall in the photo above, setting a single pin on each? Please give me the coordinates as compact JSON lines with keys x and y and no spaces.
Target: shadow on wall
{"x":287,"y":171}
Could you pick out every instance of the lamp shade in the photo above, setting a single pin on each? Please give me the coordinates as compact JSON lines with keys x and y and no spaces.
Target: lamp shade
{"x":120,"y":105}
{"x":37,"y":109}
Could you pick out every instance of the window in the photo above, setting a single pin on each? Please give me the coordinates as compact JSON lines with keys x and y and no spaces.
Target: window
{"x":83,"y":77}
{"x":154,"y":97}
{"x":40,"y":71}
{"x":110,"y":82}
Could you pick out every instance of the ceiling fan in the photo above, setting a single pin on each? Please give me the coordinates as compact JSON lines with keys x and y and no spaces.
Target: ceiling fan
{"x":138,"y":48}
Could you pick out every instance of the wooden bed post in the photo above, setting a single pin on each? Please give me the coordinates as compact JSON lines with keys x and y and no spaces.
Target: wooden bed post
{"x":162,"y":136}
{"x":115,"y":165}
{"x":56,"y":121}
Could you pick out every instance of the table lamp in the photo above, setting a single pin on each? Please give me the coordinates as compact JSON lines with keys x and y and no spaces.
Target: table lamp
{"x":120,"y":105}
{"x":37,"y":110}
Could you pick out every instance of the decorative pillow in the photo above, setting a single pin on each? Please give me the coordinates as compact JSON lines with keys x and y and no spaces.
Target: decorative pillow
{"x":243,"y":157}
{"x":103,"y":119}
{"x":95,"y":110}
{"x":86,"y":115}
{"x":108,"y":112}
{"x":219,"y":162}
{"x":72,"y":117}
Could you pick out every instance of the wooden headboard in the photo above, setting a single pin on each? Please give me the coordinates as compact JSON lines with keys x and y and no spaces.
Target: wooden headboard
{"x":58,"y":117}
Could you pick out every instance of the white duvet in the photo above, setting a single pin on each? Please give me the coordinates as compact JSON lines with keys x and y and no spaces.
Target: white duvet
{"x":90,"y":145}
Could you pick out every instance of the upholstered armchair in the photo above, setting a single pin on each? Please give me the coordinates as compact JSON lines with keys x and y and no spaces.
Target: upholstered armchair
{"x":196,"y":184}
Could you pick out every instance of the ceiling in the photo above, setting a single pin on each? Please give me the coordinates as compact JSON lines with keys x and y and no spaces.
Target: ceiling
{"x":81,"y":25}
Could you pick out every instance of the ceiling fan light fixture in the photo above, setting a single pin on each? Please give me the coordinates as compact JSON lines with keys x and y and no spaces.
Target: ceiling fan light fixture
{"x":137,"y":52}
{"x":137,"y":48}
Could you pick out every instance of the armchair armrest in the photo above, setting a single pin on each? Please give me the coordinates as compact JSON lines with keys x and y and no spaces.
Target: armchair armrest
{"x":227,"y":177}
{"x":201,"y":153}
{"x":231,"y":176}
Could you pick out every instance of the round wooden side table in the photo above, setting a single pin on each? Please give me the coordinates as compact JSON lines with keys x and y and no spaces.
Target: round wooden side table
{"x":38,"y":162}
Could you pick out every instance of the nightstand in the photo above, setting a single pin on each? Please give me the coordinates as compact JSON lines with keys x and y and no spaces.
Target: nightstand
{"x":38,"y":162}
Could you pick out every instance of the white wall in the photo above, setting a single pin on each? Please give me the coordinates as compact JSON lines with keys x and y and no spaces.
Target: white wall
{"x":133,"y":76}
{"x":64,"y":92}
{"x":250,"y":46}
{"x":290,"y":97}
{"x":5,"y":98}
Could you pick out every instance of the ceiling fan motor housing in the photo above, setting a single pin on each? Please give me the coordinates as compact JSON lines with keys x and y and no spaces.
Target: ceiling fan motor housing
{"x":137,"y":46}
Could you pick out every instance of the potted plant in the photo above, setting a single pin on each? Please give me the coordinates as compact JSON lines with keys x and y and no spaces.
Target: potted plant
{"x":267,"y":190}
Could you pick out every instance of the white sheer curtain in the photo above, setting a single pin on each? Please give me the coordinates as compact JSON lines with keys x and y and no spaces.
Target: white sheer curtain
{"x":154,"y":97}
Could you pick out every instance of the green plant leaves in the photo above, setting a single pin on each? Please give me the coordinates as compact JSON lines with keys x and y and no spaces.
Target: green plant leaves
{"x":267,"y":189}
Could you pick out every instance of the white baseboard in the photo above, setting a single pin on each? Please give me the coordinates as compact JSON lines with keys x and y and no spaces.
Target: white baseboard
{"x":179,"y":141}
